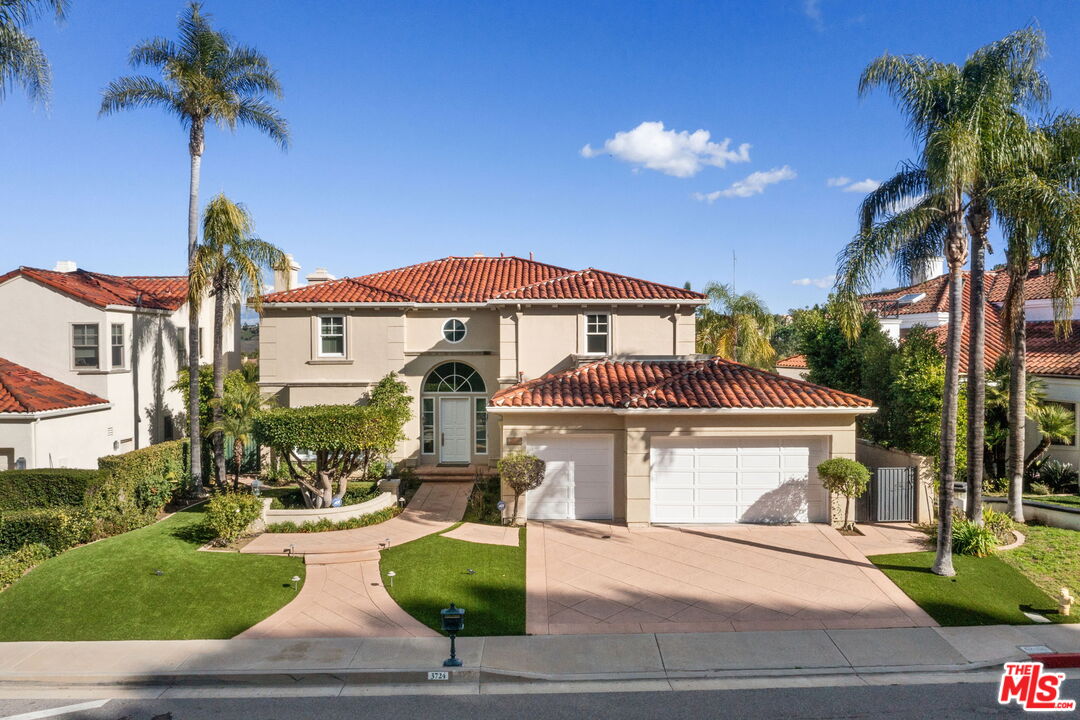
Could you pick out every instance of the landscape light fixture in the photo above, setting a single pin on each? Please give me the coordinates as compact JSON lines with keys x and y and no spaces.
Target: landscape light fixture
{"x":453,"y":621}
{"x":295,"y":579}
{"x":391,"y":574}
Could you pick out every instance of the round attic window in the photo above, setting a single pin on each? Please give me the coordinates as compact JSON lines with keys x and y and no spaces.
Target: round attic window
{"x":453,"y":330}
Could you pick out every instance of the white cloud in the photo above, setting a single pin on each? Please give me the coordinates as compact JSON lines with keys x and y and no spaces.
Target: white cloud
{"x":863,"y":186}
{"x":821,"y":282}
{"x":837,"y":181}
{"x":812,"y":10}
{"x":753,"y":184}
{"x":682,"y":154}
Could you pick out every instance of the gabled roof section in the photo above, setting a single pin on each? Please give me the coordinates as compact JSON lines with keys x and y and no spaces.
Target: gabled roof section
{"x":795,"y":361}
{"x":480,"y":280}
{"x":935,"y":300}
{"x":23,"y":390}
{"x":1048,"y":354}
{"x":166,"y":292}
{"x":712,"y":383}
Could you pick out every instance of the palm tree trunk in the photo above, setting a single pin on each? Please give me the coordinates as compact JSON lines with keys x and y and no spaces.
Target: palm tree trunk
{"x":1038,"y":452}
{"x":238,"y":454}
{"x":195,"y":147}
{"x":978,"y":220}
{"x":1017,"y":393}
{"x":218,"y":438}
{"x":956,"y":252}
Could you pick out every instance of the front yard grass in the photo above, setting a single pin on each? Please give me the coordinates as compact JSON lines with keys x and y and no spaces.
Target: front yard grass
{"x":108,"y":590}
{"x":985,"y":591}
{"x":1050,"y":557}
{"x":432,"y":572}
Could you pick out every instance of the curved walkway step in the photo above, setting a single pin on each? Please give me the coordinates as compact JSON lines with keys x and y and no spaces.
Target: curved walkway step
{"x":343,"y":595}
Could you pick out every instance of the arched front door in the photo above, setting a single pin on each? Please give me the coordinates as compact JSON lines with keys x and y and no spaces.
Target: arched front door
{"x":453,"y":413}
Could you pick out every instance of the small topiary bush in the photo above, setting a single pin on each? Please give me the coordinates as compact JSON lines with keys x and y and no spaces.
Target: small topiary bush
{"x":46,"y":487}
{"x":229,"y":515}
{"x":843,"y":476}
{"x":56,"y":528}
{"x":14,"y":565}
{"x":521,"y":473}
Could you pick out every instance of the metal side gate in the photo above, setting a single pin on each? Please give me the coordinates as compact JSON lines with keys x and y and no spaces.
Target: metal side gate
{"x":891,"y":496}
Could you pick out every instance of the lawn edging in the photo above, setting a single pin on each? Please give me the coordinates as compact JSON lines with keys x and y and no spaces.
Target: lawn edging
{"x":333,"y":514}
{"x":1058,"y":516}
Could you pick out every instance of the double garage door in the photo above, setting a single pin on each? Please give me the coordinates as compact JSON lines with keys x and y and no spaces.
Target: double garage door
{"x":693,"y":480}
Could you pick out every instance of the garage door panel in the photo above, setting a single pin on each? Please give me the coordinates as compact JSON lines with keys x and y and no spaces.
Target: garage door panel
{"x":756,"y":460}
{"x":718,"y":462}
{"x":577,"y":478}
{"x":717,"y":495}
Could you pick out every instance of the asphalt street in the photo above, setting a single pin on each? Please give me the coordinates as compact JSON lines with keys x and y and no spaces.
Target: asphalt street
{"x":937,"y":701}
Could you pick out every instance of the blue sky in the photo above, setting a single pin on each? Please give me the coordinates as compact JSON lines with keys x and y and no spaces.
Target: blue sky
{"x":425,"y":129}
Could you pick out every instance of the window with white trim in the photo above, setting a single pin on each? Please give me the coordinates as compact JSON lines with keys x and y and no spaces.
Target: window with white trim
{"x":427,"y":426}
{"x":116,"y":345}
{"x":84,"y":344}
{"x":597,"y":334}
{"x":454,"y":330}
{"x":332,"y":336}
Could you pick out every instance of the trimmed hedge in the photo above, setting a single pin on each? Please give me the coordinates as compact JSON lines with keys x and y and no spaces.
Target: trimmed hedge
{"x":228,"y":515}
{"x":56,"y":528}
{"x":46,"y":487}
{"x":14,"y":565}
{"x":137,"y":485}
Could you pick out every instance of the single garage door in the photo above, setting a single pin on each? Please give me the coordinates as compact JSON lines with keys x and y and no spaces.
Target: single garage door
{"x":577,"y":477}
{"x":757,"y":480}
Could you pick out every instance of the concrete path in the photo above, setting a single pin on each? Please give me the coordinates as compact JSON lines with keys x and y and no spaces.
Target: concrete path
{"x":600,"y":578}
{"x":888,"y":538}
{"x":343,"y":595}
{"x":305,"y":663}
{"x":486,"y":534}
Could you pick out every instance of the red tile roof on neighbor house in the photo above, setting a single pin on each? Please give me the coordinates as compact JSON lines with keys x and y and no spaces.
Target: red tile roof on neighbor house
{"x":1048,"y":354}
{"x":712,"y":383}
{"x":480,"y":280}
{"x":795,"y":361}
{"x":152,"y":292}
{"x":994,"y":345}
{"x":23,"y":390}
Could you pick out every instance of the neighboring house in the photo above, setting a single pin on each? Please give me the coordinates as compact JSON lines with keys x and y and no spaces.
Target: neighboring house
{"x":1056,"y":360}
{"x":88,"y":362}
{"x":793,"y":367}
{"x":590,"y":370}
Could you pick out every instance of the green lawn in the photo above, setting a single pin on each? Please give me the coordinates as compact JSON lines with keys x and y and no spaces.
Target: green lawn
{"x":432,"y":573}
{"x":985,"y":591}
{"x":108,"y":590}
{"x":1049,"y":556}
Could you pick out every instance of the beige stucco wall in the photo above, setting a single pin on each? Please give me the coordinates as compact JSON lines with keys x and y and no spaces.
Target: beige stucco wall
{"x":73,"y":440}
{"x":875,"y":456}
{"x":634,"y":434}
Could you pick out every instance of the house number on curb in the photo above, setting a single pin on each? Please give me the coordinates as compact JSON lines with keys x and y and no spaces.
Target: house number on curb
{"x":438,"y":675}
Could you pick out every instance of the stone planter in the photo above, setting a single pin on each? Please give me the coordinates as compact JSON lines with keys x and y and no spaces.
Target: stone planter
{"x":387,"y":498}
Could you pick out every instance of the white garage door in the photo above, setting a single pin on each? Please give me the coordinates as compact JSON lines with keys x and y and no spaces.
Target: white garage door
{"x":577,"y":478}
{"x":763,"y":480}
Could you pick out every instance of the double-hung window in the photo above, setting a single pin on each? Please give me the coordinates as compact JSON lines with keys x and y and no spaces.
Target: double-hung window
{"x":84,"y":344}
{"x":597,"y":334}
{"x":332,"y":336}
{"x":117,"y":345}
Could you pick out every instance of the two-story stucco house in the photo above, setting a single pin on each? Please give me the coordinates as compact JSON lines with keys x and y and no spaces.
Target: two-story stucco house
{"x":590,"y":370}
{"x":86,"y":362}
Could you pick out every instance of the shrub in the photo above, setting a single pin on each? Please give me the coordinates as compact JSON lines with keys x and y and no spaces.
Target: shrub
{"x":56,"y":528}
{"x":484,"y":501}
{"x":999,"y":524}
{"x":843,"y":476}
{"x":1058,"y":476}
{"x":325,"y":524}
{"x":1038,"y":488}
{"x":14,"y":565}
{"x":521,"y":472}
{"x":228,"y":515}
{"x":995,"y":486}
{"x":293,"y":500}
{"x":972,"y":539}
{"x":47,"y":487}
{"x":166,"y":461}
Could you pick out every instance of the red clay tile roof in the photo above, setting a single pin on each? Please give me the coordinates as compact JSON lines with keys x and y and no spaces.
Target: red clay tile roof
{"x":709,"y":383}
{"x":795,"y":361}
{"x":153,"y":292}
{"x":481,"y":279}
{"x":23,"y":390}
{"x":936,"y":290}
{"x":1048,"y":354}
{"x":994,"y":346}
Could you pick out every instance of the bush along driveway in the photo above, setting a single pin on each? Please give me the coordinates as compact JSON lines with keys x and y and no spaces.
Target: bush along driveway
{"x":148,"y":584}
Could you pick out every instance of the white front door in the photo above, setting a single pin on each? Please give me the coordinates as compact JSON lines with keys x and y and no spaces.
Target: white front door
{"x":577,"y":478}
{"x":454,"y":430}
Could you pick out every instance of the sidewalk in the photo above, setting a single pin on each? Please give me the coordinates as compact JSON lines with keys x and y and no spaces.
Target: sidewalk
{"x":562,"y":658}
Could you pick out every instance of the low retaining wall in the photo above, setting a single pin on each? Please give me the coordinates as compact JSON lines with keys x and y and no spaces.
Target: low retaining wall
{"x":386,"y":499}
{"x":1052,"y":515}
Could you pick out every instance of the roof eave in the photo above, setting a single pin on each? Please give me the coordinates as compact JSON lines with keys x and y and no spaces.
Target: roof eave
{"x":57,"y":412}
{"x":861,"y":410}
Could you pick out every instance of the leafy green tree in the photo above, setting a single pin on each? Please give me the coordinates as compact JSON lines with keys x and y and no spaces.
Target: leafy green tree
{"x":205,"y":78}
{"x":235,"y":420}
{"x":915,"y":398}
{"x":843,"y":476}
{"x":736,"y":326}
{"x":22,"y":61}
{"x":233,"y":381}
{"x":228,"y":266}
{"x":521,"y":473}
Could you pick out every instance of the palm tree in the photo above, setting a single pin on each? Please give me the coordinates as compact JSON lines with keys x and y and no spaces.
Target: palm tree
{"x":22,"y":61}
{"x":736,"y":326}
{"x":965,"y":122}
{"x":205,"y":78}
{"x":235,"y":421}
{"x":228,"y":266}
{"x":1056,"y":424}
{"x":997,"y":407}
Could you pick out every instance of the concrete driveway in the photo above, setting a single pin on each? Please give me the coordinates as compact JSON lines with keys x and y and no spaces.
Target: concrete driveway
{"x":587,"y":577}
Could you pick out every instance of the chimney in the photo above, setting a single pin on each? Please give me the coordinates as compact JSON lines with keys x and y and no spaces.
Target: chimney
{"x":319,"y":277}
{"x":66,"y":266}
{"x":926,"y":270}
{"x":287,"y":279}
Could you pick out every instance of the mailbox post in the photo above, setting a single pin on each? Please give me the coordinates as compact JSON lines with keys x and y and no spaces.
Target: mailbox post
{"x":453,"y":620}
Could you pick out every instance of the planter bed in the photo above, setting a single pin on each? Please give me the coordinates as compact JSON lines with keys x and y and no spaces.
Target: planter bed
{"x":386,"y":498}
{"x":1059,"y":516}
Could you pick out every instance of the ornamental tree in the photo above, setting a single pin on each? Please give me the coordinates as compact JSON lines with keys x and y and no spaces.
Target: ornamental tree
{"x":522,"y":473}
{"x":846,"y":477}
{"x":325,"y":445}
